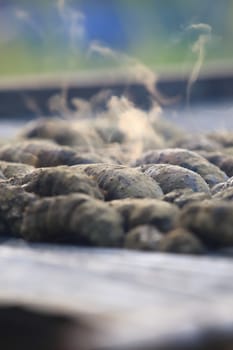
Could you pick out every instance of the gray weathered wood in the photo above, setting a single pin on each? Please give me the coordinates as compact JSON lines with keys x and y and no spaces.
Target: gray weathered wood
{"x":131,"y":297}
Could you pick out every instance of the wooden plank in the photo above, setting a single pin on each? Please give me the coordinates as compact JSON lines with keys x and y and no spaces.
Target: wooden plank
{"x":131,"y":297}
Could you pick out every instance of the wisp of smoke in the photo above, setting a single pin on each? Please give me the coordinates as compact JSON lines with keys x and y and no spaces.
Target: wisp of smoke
{"x":198,"y":48}
{"x":73,"y":24}
{"x":25,"y":17}
{"x":94,"y":106}
{"x":137,"y":70}
{"x":58,"y":103}
{"x":32,"y":105}
{"x":73,"y":21}
{"x":60,"y":6}
{"x":134,"y":122}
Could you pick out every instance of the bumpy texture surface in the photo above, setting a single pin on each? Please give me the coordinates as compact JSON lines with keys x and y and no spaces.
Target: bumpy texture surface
{"x":106,"y":181}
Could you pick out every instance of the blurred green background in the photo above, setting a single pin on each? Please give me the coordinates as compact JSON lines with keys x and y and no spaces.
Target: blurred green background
{"x":56,"y":36}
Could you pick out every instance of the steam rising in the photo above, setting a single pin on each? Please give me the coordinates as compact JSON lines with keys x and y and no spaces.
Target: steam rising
{"x":73,"y":22}
{"x":60,"y":6}
{"x":198,"y":48}
{"x":58,"y":103}
{"x":93,"y":106}
{"x":32,"y":105}
{"x":135,"y":123}
{"x":137,"y":70}
{"x":25,"y":17}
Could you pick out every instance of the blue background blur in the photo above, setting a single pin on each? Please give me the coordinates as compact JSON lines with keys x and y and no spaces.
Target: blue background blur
{"x":50,"y":36}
